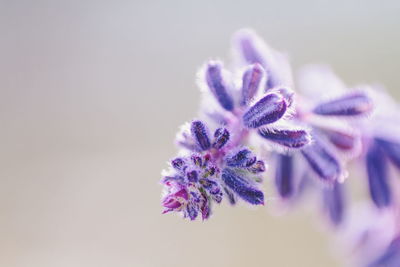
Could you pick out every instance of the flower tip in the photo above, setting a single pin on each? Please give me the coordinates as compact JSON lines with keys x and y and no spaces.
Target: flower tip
{"x":215,"y":82}
{"x":267,"y":110}
{"x":200,"y":134}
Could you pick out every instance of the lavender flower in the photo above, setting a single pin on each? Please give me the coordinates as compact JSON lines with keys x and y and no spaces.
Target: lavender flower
{"x":310,"y":132}
{"x":212,"y":169}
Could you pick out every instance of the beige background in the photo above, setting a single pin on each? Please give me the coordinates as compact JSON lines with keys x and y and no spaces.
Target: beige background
{"x":91,"y":94}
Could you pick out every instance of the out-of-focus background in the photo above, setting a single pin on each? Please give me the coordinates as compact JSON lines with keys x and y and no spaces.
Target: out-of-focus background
{"x":91,"y":94}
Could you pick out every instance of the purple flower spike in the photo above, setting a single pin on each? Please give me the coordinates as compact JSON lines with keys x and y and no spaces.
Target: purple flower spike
{"x":284,"y":176}
{"x":242,"y":158}
{"x":199,"y":132}
{"x":377,"y":176}
{"x":217,"y":86}
{"x":221,"y":137}
{"x":251,"y":82}
{"x":334,"y":203}
{"x":322,"y":162}
{"x":267,"y":110}
{"x":391,"y":149}
{"x":348,"y":105}
{"x":287,"y":138}
{"x":238,"y":184}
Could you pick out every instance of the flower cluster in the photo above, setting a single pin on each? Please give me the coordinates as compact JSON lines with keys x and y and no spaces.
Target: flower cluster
{"x":211,"y":170}
{"x":309,"y":128}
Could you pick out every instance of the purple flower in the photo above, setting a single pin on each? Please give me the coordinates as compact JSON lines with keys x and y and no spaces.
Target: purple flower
{"x":311,"y":129}
{"x":195,"y":180}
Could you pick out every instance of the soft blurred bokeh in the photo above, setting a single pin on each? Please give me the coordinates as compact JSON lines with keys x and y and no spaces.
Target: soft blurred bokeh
{"x":91,"y":94}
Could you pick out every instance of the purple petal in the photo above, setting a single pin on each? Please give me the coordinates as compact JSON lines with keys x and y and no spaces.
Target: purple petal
{"x":251,"y":82}
{"x":334,"y":202}
{"x":217,"y":86}
{"x":287,"y":138}
{"x":212,"y":188}
{"x":391,"y":149}
{"x":178,"y":163}
{"x":377,"y":176}
{"x":253,"y":49}
{"x":172,"y":201}
{"x":238,"y":184}
{"x":267,"y":110}
{"x":284,"y":176}
{"x":221,"y":137}
{"x":192,"y":176}
{"x":196,"y":160}
{"x":242,"y":158}
{"x":199,"y":132}
{"x":192,"y":212}
{"x":322,"y":161}
{"x":248,"y":49}
{"x":348,"y":105}
{"x":390,"y":257}
{"x":230,"y":195}
{"x":340,"y":139}
{"x":257,"y":167}
{"x":205,"y":208}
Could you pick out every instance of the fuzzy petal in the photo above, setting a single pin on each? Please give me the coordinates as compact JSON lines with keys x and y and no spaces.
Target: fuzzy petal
{"x":221,"y":137}
{"x":242,"y":158}
{"x":217,"y":85}
{"x":390,"y":257}
{"x":267,"y":110}
{"x":377,"y":176}
{"x":287,"y":138}
{"x":238,"y":184}
{"x":231,"y":197}
{"x":191,"y":211}
{"x":252,"y":49}
{"x":284,"y":176}
{"x":251,"y":82}
{"x":347,"y":105}
{"x":257,"y":167}
{"x":341,"y":139}
{"x":322,"y":161}
{"x":178,"y":163}
{"x":334,"y":201}
{"x":199,"y":133}
{"x":391,"y":149}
